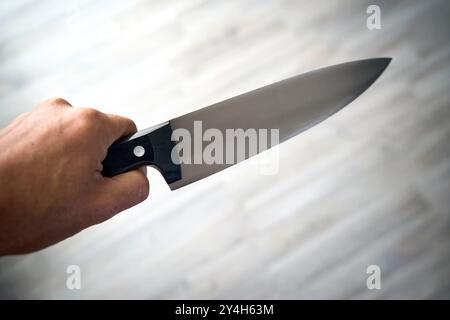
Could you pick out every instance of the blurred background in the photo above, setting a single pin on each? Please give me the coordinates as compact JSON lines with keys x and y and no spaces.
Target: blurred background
{"x":369,"y":186}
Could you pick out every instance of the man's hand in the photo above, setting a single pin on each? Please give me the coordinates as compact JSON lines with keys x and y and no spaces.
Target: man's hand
{"x":51,"y":185}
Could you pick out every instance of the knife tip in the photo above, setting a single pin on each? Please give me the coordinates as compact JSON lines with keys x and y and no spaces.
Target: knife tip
{"x":376,"y":66}
{"x":384,"y":62}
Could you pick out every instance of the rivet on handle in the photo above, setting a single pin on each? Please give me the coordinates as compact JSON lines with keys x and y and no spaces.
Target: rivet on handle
{"x":139,"y":151}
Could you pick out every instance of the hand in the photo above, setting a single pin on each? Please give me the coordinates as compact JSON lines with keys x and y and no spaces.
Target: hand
{"x":51,"y":185}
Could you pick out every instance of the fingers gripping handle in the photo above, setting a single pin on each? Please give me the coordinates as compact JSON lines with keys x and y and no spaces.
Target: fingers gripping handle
{"x":152,"y":146}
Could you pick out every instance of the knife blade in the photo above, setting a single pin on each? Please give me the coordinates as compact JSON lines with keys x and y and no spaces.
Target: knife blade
{"x":290,"y":107}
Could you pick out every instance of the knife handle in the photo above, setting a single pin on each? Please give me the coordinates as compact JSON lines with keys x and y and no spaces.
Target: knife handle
{"x":152,"y":146}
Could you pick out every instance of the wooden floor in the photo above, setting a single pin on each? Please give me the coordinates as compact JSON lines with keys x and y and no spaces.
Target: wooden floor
{"x":370,"y":186}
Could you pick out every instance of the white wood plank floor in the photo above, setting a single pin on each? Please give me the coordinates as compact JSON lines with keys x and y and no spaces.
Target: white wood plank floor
{"x":368,"y":186}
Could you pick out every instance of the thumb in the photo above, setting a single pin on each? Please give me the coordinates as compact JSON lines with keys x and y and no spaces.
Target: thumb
{"x":121,"y":192}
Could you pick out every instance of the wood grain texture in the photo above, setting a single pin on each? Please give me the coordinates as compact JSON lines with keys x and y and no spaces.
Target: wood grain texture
{"x":370,"y":185}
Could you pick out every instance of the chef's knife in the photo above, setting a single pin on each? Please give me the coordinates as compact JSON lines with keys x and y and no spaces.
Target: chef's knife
{"x":290,"y":106}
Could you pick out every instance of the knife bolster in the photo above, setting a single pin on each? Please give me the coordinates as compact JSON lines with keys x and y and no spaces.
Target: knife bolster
{"x":152,"y":146}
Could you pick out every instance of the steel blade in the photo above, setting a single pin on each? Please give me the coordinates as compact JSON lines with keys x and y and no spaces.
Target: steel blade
{"x":291,"y":106}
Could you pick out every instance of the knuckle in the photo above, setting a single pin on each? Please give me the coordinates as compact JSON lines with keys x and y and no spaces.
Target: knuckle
{"x":132,"y":124}
{"x":88,"y":118}
{"x":90,"y":113}
{"x":125,"y":122}
{"x":56,"y":101}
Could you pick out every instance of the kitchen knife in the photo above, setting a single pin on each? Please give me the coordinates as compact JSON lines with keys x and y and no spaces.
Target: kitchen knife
{"x":289,"y":106}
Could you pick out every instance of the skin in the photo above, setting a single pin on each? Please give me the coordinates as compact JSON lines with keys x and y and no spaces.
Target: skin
{"x":51,"y":186}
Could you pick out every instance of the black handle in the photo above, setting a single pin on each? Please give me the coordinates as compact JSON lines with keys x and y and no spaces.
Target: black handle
{"x":152,"y":146}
